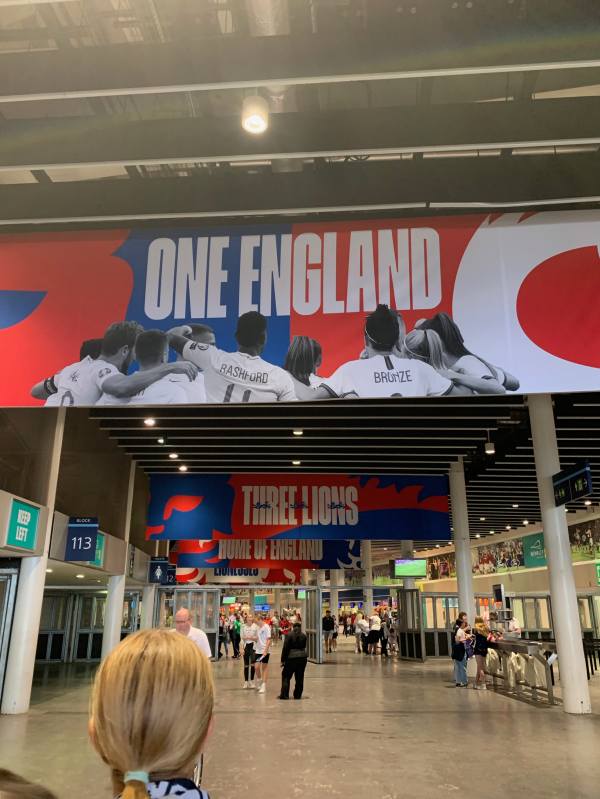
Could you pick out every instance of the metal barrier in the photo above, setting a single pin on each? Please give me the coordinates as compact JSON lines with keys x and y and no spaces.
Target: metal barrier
{"x":521,"y":668}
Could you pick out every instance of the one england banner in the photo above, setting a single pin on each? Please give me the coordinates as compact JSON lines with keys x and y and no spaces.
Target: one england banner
{"x":430,"y":306}
{"x":303,"y":506}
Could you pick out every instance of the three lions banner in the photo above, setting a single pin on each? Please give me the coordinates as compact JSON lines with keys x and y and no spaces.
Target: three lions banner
{"x":302,"y":507}
{"x":376,"y":308}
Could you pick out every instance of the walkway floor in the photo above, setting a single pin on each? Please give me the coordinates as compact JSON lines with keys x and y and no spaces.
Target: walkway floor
{"x":366,"y":727}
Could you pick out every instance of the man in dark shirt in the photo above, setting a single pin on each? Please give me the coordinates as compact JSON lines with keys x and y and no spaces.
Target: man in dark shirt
{"x":328,"y":628}
{"x":294,"y":657}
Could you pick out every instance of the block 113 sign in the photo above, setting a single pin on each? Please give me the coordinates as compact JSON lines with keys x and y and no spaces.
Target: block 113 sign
{"x":82,"y":535}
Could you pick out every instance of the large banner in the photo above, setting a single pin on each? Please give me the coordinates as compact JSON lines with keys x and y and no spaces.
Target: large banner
{"x":303,"y":506}
{"x":377,"y":308}
{"x":269,"y":553}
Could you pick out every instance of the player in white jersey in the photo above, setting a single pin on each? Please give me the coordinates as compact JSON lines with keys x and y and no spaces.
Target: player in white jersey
{"x":241,"y":376}
{"x":196,"y":389}
{"x":151,"y":351}
{"x":84,"y":382}
{"x":383,"y":373}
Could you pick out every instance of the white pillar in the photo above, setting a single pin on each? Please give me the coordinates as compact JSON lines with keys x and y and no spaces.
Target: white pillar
{"x":565,"y":614}
{"x":148,"y":603}
{"x":333,"y":592}
{"x":113,"y":615}
{"x":30,"y":595}
{"x":277,"y":599}
{"x":407,"y":551}
{"x":462,"y":540}
{"x":367,"y":564}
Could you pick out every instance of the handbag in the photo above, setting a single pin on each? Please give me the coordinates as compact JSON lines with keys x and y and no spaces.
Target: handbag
{"x":458,"y":651}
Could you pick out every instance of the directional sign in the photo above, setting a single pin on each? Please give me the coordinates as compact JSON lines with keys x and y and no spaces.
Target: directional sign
{"x":572,"y":484}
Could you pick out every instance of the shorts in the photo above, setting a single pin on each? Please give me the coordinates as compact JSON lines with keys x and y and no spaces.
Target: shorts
{"x":262,"y":658}
{"x":328,"y":634}
{"x":374,"y":636}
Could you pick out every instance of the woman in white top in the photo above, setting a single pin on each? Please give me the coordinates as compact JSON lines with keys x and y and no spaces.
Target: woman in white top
{"x":261,"y":649}
{"x":374,"y":633}
{"x":249,"y":636}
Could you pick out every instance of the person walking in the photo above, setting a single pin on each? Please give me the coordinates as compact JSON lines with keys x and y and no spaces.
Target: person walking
{"x":385,"y":634}
{"x":235,"y":633}
{"x":374,"y":632}
{"x":294,"y":657}
{"x":261,"y":649}
{"x":183,"y":625}
{"x":328,"y":628}
{"x":249,"y":636}
{"x":362,"y":634}
{"x":459,"y":655}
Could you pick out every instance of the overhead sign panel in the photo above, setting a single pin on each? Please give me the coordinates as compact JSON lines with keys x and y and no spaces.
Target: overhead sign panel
{"x":494,"y":299}
{"x":82,"y":536}
{"x":303,"y":506}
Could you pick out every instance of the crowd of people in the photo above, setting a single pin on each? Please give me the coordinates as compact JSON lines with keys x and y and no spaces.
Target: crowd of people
{"x":472,"y":641}
{"x":375,"y":634}
{"x":133,"y":366}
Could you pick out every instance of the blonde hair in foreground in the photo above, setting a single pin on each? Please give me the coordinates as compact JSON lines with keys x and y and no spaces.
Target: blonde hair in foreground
{"x":151,"y":707}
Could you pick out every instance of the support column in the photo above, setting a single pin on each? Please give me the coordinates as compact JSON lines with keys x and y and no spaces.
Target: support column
{"x":565,"y":614}
{"x":407,"y":551}
{"x":277,"y":599}
{"x":462,"y":539}
{"x":30,"y":594}
{"x":367,"y":564}
{"x":148,"y":603}
{"x":113,"y":615}
{"x":333,"y":592}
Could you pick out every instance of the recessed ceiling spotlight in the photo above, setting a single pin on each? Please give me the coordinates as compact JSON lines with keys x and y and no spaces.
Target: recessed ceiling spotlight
{"x":508,"y":527}
{"x":482,"y":518}
{"x":492,"y":532}
{"x":296,"y":463}
{"x":48,"y":571}
{"x":173,"y":456}
{"x":478,"y":535}
{"x":255,"y":114}
{"x":525,"y":522}
{"x":80,"y":576}
{"x":515,"y":506}
{"x":490,"y":448}
{"x":149,"y":421}
{"x":183,"y":468}
{"x":588,"y":502}
{"x":437,"y":546}
{"x":385,"y":549}
{"x":298,"y":432}
{"x":160,"y":440}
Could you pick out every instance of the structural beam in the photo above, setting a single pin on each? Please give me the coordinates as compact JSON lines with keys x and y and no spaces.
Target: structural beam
{"x":120,"y":140}
{"x":506,"y":44}
{"x":378,"y":186}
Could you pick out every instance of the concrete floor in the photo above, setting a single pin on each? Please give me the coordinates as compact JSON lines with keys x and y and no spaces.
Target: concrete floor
{"x":388,"y":727}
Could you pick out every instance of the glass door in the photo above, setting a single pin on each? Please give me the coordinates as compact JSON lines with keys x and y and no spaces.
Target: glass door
{"x":411,"y":638}
{"x":131,"y":613}
{"x":54,"y":626}
{"x":202,"y":603}
{"x":313,"y":624}
{"x":89,"y":627}
{"x":8,"y":589}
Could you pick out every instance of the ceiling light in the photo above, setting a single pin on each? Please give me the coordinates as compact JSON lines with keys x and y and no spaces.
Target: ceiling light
{"x":80,"y":576}
{"x":296,"y":463}
{"x":385,"y":549}
{"x":255,"y":114}
{"x":183,"y":468}
{"x":298,"y":432}
{"x":48,"y":571}
{"x":149,"y":421}
{"x":525,"y":522}
{"x":490,"y":448}
{"x":492,"y":532}
{"x":173,"y":456}
{"x":508,"y":527}
{"x":478,"y":535}
{"x":482,"y":518}
{"x":160,"y":440}
{"x":515,"y":506}
{"x":437,"y":546}
{"x":588,"y":502}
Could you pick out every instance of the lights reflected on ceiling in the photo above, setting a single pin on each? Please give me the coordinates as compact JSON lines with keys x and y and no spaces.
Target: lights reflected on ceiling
{"x":149,"y":421}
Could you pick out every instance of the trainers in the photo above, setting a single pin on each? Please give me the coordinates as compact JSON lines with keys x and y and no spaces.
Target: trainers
{"x":252,"y":684}
{"x":262,"y":689}
{"x":246,"y":684}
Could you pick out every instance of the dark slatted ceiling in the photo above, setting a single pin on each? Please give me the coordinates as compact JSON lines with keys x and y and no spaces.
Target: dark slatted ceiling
{"x":388,"y":437}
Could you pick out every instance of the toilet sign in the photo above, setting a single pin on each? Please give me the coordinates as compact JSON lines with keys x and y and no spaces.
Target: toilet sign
{"x":159,"y":571}
{"x":22,"y":525}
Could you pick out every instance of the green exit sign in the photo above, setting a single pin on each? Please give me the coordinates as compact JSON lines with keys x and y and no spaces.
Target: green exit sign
{"x":598,"y":573}
{"x":22,"y":525}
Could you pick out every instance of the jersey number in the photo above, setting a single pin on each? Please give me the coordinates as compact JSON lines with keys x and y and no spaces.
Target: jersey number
{"x":229,"y":391}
